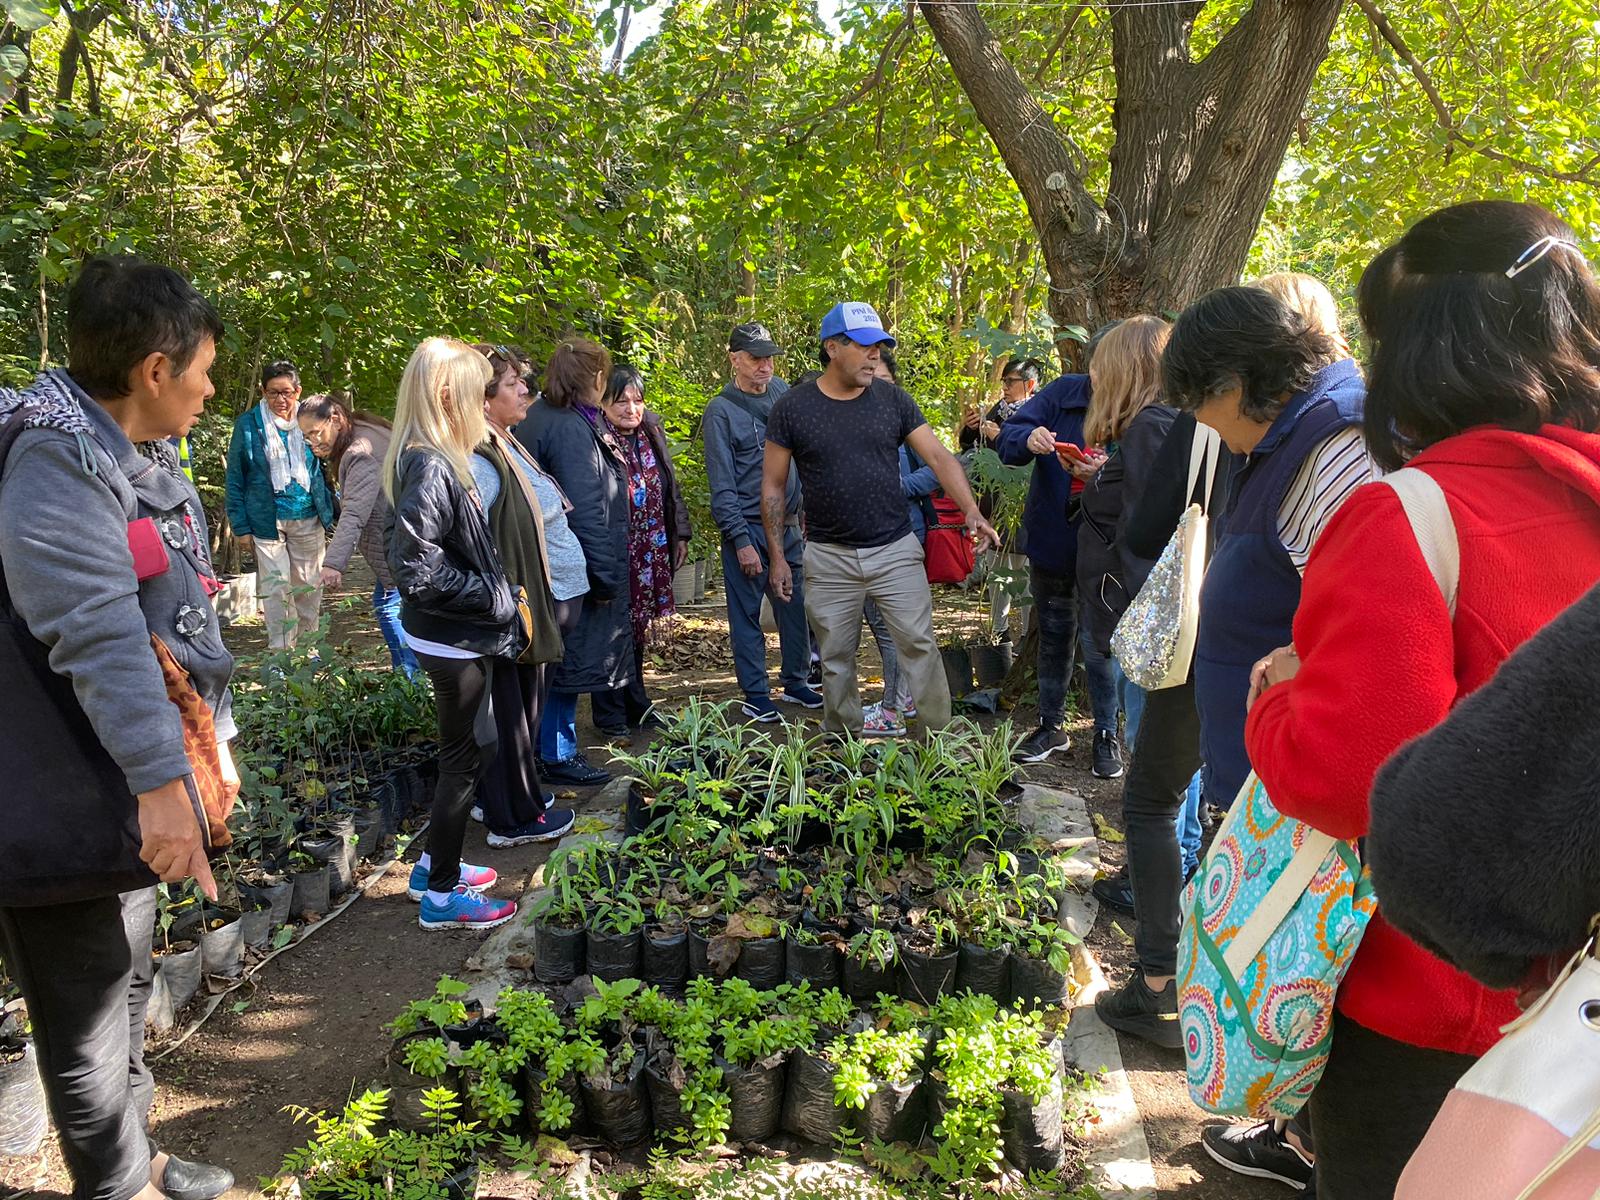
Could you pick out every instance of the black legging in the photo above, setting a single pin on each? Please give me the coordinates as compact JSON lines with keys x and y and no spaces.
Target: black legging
{"x":626,"y":705}
{"x":461,"y":694}
{"x":1164,"y":760}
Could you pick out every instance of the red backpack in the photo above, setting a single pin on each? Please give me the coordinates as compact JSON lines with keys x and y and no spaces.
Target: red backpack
{"x":948,"y":550}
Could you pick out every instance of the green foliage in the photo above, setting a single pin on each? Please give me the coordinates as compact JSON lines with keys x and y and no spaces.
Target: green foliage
{"x":444,"y":1007}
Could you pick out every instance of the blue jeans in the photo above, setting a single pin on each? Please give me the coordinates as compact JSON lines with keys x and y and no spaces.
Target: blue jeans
{"x":1055,"y":607}
{"x":558,"y":727}
{"x":1106,"y":683}
{"x":744,"y":596}
{"x":1190,"y":831}
{"x":386,"y":608}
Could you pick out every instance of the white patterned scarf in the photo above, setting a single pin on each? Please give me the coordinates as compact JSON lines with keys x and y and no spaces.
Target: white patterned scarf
{"x":284,"y":465}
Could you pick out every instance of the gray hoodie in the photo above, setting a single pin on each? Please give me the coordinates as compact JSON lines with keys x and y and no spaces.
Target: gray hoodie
{"x":71,"y":485}
{"x":735,"y":432}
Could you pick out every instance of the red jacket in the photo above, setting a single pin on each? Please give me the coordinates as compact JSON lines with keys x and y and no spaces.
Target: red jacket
{"x":1380,"y":664}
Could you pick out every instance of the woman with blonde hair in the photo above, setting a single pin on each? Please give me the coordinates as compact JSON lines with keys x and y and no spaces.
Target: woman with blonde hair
{"x":457,"y":610}
{"x":1124,"y":418}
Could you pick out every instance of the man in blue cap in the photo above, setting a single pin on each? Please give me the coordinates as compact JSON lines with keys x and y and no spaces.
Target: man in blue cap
{"x":843,"y":431}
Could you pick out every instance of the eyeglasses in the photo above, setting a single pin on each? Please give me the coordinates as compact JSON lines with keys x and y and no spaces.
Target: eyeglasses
{"x":1008,"y":380}
{"x":279,"y":393}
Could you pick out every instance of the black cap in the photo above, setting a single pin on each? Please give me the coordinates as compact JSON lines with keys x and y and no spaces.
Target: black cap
{"x":753,"y":338}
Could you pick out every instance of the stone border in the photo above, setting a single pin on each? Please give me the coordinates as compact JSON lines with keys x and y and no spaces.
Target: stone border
{"x":1118,"y":1159}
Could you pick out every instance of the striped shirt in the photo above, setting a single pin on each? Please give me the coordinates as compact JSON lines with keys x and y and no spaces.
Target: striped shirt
{"x":1324,"y":481}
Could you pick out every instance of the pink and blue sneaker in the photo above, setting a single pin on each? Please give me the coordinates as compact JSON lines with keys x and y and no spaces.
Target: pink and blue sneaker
{"x":465,"y":908}
{"x":473,"y":877}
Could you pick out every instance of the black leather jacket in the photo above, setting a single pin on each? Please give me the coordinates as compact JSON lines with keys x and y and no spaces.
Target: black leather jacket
{"x":453,"y":589}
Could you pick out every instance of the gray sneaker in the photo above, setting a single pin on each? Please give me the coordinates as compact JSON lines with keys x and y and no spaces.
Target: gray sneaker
{"x":1041,"y":744}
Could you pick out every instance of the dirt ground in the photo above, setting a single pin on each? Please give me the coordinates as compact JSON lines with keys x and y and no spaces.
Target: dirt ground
{"x":310,"y":1029}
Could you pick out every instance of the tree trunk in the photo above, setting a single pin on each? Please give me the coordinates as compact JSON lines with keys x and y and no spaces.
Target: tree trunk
{"x":1198,"y":146}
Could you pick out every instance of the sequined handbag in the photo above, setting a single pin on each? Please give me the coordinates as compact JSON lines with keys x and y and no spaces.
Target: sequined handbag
{"x":1154,"y":640}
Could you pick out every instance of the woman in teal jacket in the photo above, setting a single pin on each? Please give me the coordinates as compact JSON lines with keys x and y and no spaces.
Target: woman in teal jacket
{"x":279,"y":503}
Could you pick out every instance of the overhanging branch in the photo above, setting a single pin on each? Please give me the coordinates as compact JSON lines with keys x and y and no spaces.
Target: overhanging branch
{"x":1446,"y":119}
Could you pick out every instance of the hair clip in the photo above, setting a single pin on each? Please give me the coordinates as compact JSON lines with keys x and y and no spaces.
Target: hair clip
{"x":1537,"y":251}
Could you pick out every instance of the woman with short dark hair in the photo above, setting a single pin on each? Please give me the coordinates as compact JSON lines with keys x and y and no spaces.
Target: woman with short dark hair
{"x":354,"y":444}
{"x":1271,"y":384}
{"x":565,"y":432}
{"x":1484,"y":322}
{"x":280,"y":506}
{"x":658,"y":541}
{"x":103,"y":551}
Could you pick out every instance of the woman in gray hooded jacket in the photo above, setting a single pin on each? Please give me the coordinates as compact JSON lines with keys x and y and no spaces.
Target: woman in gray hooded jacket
{"x":102,"y":547}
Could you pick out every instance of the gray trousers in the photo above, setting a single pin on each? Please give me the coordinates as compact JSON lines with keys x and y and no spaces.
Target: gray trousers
{"x":85,"y":971}
{"x":839,"y":581}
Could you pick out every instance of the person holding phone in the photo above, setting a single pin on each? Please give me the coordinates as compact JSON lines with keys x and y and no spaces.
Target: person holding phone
{"x":101,"y":547}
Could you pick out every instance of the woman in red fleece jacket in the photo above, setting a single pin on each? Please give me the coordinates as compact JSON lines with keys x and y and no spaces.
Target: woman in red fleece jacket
{"x":1485,"y":373}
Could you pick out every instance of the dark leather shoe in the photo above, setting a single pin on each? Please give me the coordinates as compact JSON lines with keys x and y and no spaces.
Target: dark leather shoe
{"x":194,"y":1181}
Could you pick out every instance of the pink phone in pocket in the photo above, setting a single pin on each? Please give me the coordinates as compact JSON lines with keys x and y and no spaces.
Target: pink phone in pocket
{"x":149,"y":551}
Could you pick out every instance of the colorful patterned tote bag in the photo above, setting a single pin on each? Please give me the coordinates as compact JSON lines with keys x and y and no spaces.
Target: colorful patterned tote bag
{"x":1275,"y":914}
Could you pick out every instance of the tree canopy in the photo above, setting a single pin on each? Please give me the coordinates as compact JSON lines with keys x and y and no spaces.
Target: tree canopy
{"x":344,"y":177}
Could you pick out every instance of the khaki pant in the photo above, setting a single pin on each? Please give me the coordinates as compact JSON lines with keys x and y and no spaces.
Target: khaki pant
{"x":839,"y":580}
{"x":292,"y":564}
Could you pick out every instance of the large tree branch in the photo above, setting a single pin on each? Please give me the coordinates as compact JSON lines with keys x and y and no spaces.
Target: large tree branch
{"x":1075,"y":232}
{"x":1446,"y":119}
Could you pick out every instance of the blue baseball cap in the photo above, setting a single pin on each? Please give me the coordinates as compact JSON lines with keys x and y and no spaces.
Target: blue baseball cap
{"x":856,"y":321}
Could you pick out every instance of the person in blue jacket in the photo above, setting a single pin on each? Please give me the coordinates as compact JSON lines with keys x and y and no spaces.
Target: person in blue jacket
{"x":280,"y":505}
{"x":1050,"y":542}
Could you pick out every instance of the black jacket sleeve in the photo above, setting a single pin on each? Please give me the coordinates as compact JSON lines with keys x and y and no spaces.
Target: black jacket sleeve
{"x":1485,"y":837}
{"x":1153,"y":516}
{"x":570,"y":452}
{"x":423,"y":522}
{"x":1139,"y":449}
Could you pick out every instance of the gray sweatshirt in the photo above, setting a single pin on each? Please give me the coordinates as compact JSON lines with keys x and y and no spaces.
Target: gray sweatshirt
{"x":735,"y":432}
{"x":69,"y":491}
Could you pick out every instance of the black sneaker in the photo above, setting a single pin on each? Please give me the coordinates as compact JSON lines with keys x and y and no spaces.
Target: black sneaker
{"x":1134,"y":1008}
{"x":1115,"y":892}
{"x":650,"y":722}
{"x":1310,"y":1188}
{"x":550,"y":825}
{"x":814,"y":676}
{"x":1107,"y":755}
{"x":1261,"y":1151}
{"x":613,"y":733}
{"x":576,"y":772}
{"x":1041,"y":744}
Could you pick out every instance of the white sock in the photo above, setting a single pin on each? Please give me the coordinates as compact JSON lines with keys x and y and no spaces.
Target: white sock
{"x":426,"y":861}
{"x":439,"y":898}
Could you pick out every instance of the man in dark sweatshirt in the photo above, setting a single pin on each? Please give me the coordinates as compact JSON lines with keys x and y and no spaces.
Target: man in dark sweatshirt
{"x":735,"y":431}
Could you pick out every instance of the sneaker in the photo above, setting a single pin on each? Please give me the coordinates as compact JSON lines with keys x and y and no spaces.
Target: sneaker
{"x":613,"y":733}
{"x":550,"y":825}
{"x":575,"y":772}
{"x":1107,"y":755}
{"x":878,"y":722}
{"x":1115,"y":892}
{"x":476,"y":877}
{"x":477,"y":813}
{"x":650,"y":721}
{"x":1134,"y":1008}
{"x":800,"y":694}
{"x":1041,"y":744}
{"x":814,"y":677}
{"x":908,"y":713}
{"x":1261,"y":1151}
{"x":760,"y":708}
{"x":467,"y":908}
{"x":1310,"y":1188}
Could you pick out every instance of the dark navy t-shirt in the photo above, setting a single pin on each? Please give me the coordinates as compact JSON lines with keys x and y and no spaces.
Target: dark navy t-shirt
{"x":848,"y":455}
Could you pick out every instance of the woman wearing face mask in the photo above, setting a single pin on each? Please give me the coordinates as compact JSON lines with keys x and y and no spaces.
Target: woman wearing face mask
{"x":658,"y":540}
{"x":354,"y":444}
{"x":279,"y":504}
{"x":541,"y":556}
